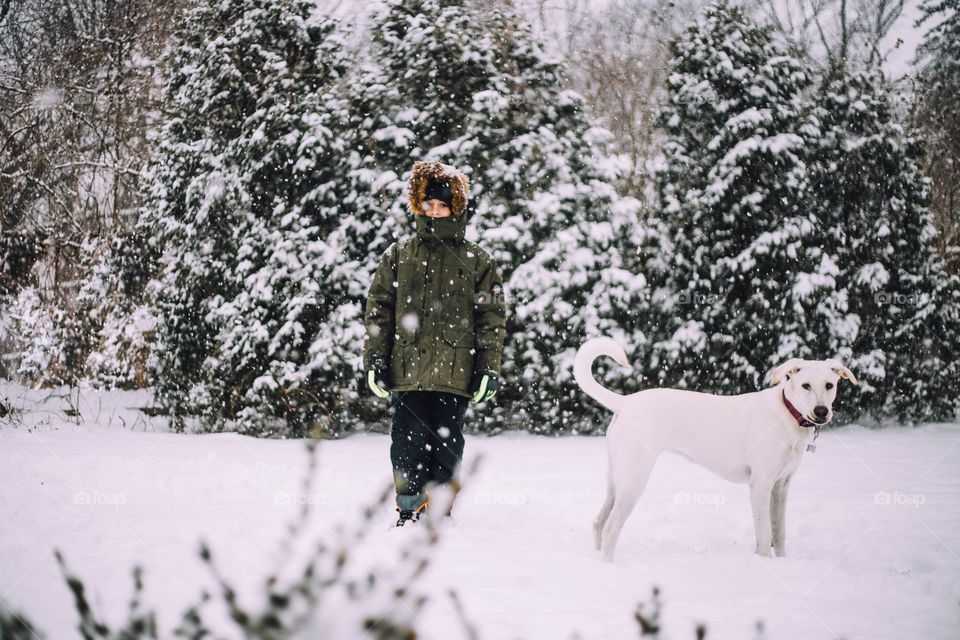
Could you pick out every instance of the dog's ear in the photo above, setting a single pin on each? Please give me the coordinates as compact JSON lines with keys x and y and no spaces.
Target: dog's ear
{"x":788,"y":368}
{"x":842,"y":371}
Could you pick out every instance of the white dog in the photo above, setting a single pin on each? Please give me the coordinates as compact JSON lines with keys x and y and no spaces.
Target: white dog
{"x":754,"y":438}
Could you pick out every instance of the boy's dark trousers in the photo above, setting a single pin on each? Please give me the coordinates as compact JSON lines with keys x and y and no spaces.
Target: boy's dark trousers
{"x":426,"y":442}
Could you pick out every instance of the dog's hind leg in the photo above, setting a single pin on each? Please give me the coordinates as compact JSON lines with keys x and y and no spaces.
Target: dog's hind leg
{"x":778,"y":515}
{"x":601,"y":518}
{"x":629,"y":479}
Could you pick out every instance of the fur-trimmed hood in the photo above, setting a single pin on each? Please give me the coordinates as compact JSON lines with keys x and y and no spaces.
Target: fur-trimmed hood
{"x":417,"y":188}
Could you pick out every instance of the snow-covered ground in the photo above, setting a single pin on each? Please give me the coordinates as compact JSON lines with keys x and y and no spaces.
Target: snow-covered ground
{"x":873,"y":529}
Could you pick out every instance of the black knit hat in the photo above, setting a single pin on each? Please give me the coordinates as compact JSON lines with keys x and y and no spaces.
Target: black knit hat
{"x":439,"y":190}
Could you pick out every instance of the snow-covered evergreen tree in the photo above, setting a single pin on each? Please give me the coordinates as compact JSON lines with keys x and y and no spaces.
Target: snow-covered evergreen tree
{"x":937,"y":115}
{"x":732,"y":280}
{"x":893,"y":311}
{"x":112,"y":299}
{"x":794,"y":229}
{"x":243,"y":205}
{"x":939,"y":51}
{"x":468,"y":84}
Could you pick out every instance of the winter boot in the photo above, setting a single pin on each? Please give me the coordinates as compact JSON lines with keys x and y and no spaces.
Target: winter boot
{"x":411,"y":508}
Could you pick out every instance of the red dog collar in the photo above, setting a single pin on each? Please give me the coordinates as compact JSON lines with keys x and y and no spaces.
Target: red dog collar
{"x":803,"y":422}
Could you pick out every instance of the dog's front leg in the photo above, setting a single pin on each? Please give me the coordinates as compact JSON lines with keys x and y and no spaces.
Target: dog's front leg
{"x":778,"y":515}
{"x":760,"y":492}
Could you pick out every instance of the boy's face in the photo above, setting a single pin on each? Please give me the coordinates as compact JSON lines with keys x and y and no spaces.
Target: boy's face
{"x":436,"y":209}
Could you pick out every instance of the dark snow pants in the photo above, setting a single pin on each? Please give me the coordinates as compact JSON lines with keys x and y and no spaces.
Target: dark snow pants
{"x":426,"y":441}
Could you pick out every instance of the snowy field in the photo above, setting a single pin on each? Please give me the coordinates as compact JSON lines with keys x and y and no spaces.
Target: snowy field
{"x":873,"y":529}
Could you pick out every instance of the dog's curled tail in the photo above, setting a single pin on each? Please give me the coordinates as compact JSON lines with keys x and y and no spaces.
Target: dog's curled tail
{"x":583,"y":370}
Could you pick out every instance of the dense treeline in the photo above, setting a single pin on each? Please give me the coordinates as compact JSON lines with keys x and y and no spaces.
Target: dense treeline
{"x":193,"y":196}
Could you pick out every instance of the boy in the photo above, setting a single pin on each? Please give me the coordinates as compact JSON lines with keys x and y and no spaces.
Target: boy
{"x":435,"y":324}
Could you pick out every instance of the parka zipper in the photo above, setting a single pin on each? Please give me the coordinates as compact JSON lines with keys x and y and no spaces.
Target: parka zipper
{"x":423,"y":299}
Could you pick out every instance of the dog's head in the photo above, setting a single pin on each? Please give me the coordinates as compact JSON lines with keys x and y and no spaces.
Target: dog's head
{"x":811,"y":386}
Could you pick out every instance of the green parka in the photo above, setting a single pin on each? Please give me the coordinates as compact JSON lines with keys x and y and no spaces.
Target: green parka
{"x":435,"y":313}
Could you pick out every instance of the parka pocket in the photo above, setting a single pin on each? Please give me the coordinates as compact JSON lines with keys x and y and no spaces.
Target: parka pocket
{"x":459,"y":348}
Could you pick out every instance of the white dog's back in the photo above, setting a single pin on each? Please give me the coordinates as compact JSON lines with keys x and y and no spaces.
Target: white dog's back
{"x":701,"y":426}
{"x":679,"y":405}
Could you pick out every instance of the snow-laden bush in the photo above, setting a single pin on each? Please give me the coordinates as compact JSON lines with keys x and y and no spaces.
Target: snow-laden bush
{"x":32,"y":326}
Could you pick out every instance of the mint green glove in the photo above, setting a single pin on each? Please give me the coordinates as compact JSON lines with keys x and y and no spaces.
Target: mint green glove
{"x":483,"y":388}
{"x":374,"y":385}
